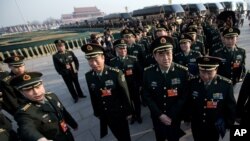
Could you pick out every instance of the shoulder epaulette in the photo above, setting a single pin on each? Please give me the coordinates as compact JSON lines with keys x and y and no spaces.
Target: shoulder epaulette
{"x":26,"y":107}
{"x":193,"y":77}
{"x":225,"y":79}
{"x":112,"y":59}
{"x":177,"y":53}
{"x":48,"y":93}
{"x":7,"y":78}
{"x":182,"y":67}
{"x":151,"y":66}
{"x":218,"y":50}
{"x":114,"y":69}
{"x":195,"y":51}
{"x":132,"y":56}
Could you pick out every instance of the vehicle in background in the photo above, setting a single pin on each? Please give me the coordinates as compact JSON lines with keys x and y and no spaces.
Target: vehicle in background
{"x":229,"y":5}
{"x":116,"y":19}
{"x":214,"y":8}
{"x":157,"y":12}
{"x":194,"y":9}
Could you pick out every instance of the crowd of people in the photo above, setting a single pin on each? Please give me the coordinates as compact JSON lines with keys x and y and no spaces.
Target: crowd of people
{"x":181,"y":72}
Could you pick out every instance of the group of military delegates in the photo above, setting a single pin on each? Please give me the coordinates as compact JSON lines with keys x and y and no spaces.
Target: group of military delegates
{"x":177,"y":83}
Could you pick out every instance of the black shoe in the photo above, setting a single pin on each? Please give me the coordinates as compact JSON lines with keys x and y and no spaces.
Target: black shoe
{"x":83,"y":96}
{"x":139,"y":120}
{"x":76,"y":100}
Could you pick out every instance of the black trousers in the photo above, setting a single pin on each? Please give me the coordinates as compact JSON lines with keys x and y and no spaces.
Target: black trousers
{"x":118,"y":126}
{"x":204,"y":132}
{"x":163,"y":132}
{"x":135,"y":99}
{"x":71,"y":80}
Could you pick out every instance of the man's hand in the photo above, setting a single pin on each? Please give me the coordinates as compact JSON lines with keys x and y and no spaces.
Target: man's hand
{"x":129,"y":117}
{"x":165,"y":119}
{"x":68,"y":66}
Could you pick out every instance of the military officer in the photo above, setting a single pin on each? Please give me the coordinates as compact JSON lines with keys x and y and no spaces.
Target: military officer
{"x":233,"y":64}
{"x":42,"y":117}
{"x":187,"y":56}
{"x":11,"y":97}
{"x":133,"y":48}
{"x":67,"y":65}
{"x":163,"y":90}
{"x":243,"y":103}
{"x":211,"y":101}
{"x":109,"y":94}
{"x":131,"y":68}
{"x":196,"y":44}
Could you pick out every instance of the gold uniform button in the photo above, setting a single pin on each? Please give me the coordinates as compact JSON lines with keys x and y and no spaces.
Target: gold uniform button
{"x":204,"y":114}
{"x":205,"y":107}
{"x":49,"y":120}
{"x":204,"y":120}
{"x":103,"y":102}
{"x":105,"y":109}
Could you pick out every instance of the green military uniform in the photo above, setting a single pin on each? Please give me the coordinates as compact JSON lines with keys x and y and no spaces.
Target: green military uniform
{"x":6,"y":132}
{"x":164,"y":93}
{"x":233,"y":64}
{"x":109,"y":96}
{"x":187,"y":58}
{"x":11,"y":97}
{"x":132,"y":71}
{"x":47,"y":118}
{"x":134,"y":49}
{"x":70,"y":76}
{"x":211,"y":105}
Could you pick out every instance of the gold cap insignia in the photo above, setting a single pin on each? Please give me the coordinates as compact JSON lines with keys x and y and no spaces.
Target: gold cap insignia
{"x":89,"y":47}
{"x":122,"y":41}
{"x":26,"y":77}
{"x":16,"y":58}
{"x":126,"y":31}
{"x":230,"y":30}
{"x":163,"y":40}
{"x":182,"y":36}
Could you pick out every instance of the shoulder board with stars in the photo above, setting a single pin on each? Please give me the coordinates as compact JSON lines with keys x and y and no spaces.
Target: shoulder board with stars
{"x":177,"y":53}
{"x":48,"y":93}
{"x":218,"y":50}
{"x":151,"y":66}
{"x":225,"y":79}
{"x":182,"y":67}
{"x":7,"y":78}
{"x":25,"y":108}
{"x":113,"y":58}
{"x":193,"y":77}
{"x":114,"y":69}
{"x":131,"y":56}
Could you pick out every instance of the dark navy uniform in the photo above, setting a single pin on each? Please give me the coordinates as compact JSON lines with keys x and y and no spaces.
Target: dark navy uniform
{"x":187,"y":57}
{"x":164,"y":93}
{"x":109,"y":96}
{"x":211,"y":105}
{"x":69,"y":75}
{"x":48,"y":120}
{"x":243,"y":103}
{"x":233,"y":64}
{"x":133,"y":74}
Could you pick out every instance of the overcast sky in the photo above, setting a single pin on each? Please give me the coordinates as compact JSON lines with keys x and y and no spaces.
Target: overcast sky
{"x":14,"y":12}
